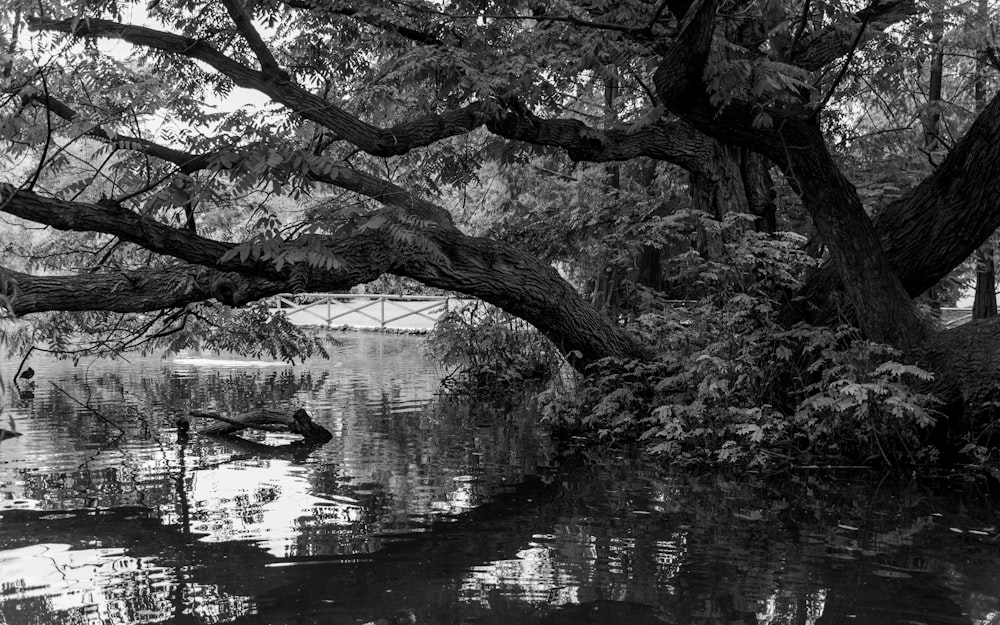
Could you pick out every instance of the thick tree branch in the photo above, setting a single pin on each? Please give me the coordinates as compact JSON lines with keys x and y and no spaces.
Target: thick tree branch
{"x":127,"y":291}
{"x":679,"y":75}
{"x":832,"y":42}
{"x":186,"y":162}
{"x":365,"y":256}
{"x":670,"y":141}
{"x":346,"y":178}
{"x":496,"y":272}
{"x":399,"y":139}
{"x":406,"y":32}
{"x":127,"y":226}
{"x":268,"y":65}
{"x":940,"y":222}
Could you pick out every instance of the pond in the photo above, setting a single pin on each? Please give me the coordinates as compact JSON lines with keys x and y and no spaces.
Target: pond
{"x":428,"y":510}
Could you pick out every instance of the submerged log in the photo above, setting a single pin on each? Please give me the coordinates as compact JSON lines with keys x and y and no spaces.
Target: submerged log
{"x":299,"y":422}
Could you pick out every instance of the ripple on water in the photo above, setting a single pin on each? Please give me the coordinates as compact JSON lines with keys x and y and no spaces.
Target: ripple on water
{"x":452,"y":513}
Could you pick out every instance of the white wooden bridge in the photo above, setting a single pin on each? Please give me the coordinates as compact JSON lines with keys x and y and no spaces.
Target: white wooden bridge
{"x":414,"y":313}
{"x":365,"y":311}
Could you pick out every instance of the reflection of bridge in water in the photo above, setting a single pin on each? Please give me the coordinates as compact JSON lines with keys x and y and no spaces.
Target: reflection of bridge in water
{"x":368,"y":311}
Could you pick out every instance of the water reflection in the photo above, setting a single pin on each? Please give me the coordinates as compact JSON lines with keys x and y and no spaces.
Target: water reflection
{"x":425,"y":511}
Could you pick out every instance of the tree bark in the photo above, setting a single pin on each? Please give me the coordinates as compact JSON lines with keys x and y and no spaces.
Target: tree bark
{"x":735,"y":180}
{"x":931,"y":118}
{"x":985,"y":301}
{"x":966,"y":365}
{"x":885,"y":311}
{"x":984,"y":304}
{"x":939,"y":223}
{"x":717,"y":188}
{"x":758,"y":186}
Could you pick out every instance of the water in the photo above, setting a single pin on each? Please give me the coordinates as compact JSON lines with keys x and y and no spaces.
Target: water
{"x":427,"y":511}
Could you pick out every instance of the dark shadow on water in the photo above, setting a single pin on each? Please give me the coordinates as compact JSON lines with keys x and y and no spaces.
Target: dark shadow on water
{"x":631,"y":555}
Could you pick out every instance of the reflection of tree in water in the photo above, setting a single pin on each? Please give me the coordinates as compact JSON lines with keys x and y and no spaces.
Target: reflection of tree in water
{"x":620,"y":543}
{"x":125,"y":568}
{"x":428,"y":501}
{"x":228,"y":391}
{"x":710,"y":550}
{"x":27,"y":611}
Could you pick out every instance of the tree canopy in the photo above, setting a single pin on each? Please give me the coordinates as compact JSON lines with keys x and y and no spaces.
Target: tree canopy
{"x":227,"y":150}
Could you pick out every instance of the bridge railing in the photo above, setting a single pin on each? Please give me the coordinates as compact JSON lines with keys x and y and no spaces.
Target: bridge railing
{"x":951,"y":317}
{"x":375,"y":310}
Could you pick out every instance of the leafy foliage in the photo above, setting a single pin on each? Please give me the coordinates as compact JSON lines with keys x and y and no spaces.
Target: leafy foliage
{"x":253,"y":331}
{"x":731,"y":386}
{"x":489,"y":350}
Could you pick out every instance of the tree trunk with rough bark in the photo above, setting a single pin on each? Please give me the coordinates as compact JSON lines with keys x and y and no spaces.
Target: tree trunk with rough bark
{"x":734,"y":180}
{"x":984,"y":304}
{"x":936,"y":225}
{"x":885,"y":312}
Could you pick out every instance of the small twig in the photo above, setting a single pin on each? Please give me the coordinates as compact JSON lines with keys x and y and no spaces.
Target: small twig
{"x":92,"y":410}
{"x":21,"y":365}
{"x":878,"y":443}
{"x":48,"y":139}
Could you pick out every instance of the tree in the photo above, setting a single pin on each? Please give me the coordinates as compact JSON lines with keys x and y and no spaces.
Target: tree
{"x":434,"y":87}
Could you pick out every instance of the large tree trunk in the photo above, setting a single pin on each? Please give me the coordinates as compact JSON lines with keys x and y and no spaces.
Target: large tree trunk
{"x":758,"y":186}
{"x":984,"y":304}
{"x":939,"y":223}
{"x":795,"y":144}
{"x":717,"y":188}
{"x":734,"y":180}
{"x":649,"y":264}
{"x":884,"y":310}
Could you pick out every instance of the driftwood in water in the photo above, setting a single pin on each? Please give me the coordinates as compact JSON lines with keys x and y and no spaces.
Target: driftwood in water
{"x":5,"y":434}
{"x":299,"y":422}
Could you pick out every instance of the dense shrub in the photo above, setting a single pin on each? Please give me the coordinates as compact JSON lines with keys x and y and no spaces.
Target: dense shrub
{"x":488,"y":350}
{"x":806,"y":395}
{"x":731,"y":385}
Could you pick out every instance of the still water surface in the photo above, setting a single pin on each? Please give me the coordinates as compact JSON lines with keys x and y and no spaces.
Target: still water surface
{"x":428,"y":511}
